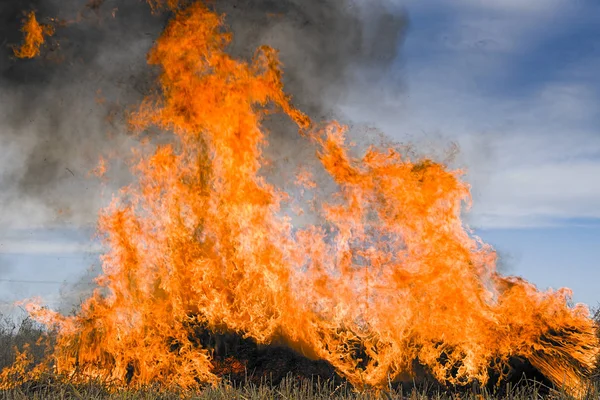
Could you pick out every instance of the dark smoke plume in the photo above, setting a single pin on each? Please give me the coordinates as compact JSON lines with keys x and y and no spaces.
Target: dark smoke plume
{"x":61,"y":111}
{"x":57,"y":111}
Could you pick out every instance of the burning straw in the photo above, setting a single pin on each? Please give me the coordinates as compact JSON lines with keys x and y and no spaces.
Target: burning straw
{"x":389,"y":279}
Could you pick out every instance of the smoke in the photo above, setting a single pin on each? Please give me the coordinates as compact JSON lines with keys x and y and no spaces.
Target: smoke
{"x":330,"y":51}
{"x":61,"y":111}
{"x":324,"y":45}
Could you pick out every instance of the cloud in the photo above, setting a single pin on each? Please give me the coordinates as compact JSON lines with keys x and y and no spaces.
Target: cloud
{"x":528,"y":130}
{"x":514,"y":6}
{"x":47,"y":248}
{"x":551,"y":191}
{"x":47,"y":242}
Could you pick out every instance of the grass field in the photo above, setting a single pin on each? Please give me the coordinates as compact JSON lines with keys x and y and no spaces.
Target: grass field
{"x":27,"y":333}
{"x":287,"y":389}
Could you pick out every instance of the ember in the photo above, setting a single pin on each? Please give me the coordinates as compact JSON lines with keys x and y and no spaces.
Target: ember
{"x":34,"y":37}
{"x":388,"y":285}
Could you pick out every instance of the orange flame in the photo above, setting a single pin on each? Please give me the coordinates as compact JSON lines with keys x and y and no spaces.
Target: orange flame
{"x":34,"y":37}
{"x":389,"y":277}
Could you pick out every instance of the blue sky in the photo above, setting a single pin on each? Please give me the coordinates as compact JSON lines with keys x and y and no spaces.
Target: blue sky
{"x":515,"y":83}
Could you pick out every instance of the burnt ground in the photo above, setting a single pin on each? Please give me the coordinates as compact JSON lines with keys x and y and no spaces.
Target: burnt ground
{"x":242,"y":361}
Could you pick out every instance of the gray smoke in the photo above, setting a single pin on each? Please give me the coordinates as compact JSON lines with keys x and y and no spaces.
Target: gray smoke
{"x":323,"y":44}
{"x":330,"y":50}
{"x":60,"y":111}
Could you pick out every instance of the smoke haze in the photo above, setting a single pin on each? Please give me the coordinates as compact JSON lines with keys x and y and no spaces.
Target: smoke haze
{"x":61,"y":111}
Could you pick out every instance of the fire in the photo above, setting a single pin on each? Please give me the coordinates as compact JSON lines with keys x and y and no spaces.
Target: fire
{"x":388,"y":279}
{"x":34,"y":37}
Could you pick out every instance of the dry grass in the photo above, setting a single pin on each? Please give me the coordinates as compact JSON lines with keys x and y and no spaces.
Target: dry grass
{"x":18,"y":335}
{"x":287,"y":389}
{"x":27,"y":332}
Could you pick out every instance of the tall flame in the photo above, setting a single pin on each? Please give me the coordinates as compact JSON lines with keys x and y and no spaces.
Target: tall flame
{"x":389,"y":277}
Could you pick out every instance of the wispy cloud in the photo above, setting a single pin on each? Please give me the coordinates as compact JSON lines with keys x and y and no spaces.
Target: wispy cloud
{"x":48,"y":242}
{"x":513,"y":6}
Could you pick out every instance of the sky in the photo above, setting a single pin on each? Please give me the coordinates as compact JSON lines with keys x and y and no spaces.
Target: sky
{"x":514,"y":83}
